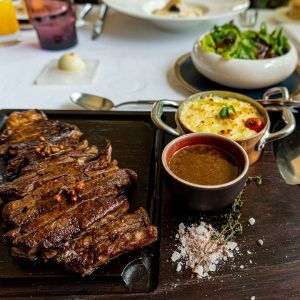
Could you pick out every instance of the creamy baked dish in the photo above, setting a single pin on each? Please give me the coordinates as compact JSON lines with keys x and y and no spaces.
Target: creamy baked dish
{"x":229,"y":117}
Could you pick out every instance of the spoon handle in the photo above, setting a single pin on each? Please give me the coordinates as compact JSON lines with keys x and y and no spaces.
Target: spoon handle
{"x":137,"y":102}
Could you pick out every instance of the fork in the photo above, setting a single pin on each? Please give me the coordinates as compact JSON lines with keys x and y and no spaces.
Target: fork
{"x":248,"y":18}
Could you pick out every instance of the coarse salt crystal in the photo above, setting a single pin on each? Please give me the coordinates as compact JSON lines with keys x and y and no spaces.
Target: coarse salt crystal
{"x":242,"y":266}
{"x":179,"y":267}
{"x":175,"y":256}
{"x":212,"y":257}
{"x":198,"y":249}
{"x":201,"y":230}
{"x":251,"y":221}
{"x":212,"y":268}
{"x":250,"y":261}
{"x":199,"y":270}
{"x":253,"y":298}
{"x":231,"y":245}
{"x":249,"y":252}
{"x":260,"y":242}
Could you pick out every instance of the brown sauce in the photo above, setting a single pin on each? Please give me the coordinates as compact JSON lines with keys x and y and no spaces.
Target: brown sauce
{"x":204,"y":164}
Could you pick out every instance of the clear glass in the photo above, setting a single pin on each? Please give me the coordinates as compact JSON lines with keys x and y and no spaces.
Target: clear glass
{"x":54,"y":22}
{"x":9,"y":26}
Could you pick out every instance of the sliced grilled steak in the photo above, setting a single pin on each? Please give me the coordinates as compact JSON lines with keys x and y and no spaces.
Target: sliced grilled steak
{"x":74,"y":220}
{"x":30,"y":161}
{"x":114,"y":181}
{"x":17,"y":119}
{"x":49,"y":190}
{"x":67,"y":200}
{"x":52,"y":253}
{"x":98,"y":246}
{"x":30,"y":181}
{"x":31,"y":134}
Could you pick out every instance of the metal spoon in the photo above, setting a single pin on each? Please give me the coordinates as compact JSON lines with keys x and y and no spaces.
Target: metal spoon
{"x":93,"y":102}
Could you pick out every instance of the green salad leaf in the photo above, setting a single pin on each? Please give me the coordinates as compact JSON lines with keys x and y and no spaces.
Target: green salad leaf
{"x":229,"y":42}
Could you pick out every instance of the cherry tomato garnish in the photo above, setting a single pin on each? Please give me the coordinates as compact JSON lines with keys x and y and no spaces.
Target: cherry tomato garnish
{"x":255,"y":124}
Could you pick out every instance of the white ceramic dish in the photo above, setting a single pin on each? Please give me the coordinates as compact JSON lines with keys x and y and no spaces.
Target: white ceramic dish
{"x":244,"y":73}
{"x":280,"y":15}
{"x":215,"y":10}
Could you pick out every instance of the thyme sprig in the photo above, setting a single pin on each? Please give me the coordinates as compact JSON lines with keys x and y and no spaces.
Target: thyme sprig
{"x":233,"y":226}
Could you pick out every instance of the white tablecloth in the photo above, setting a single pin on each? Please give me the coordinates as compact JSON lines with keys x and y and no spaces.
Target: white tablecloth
{"x":136,"y":62}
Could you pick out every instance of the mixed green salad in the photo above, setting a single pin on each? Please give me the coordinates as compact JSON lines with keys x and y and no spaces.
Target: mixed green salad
{"x":230,"y":42}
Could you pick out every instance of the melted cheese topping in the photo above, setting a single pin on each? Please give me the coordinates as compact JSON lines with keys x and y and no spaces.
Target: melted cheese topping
{"x":202,"y":115}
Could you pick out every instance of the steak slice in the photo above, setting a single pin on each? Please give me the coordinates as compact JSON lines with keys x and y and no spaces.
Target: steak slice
{"x":49,"y":190}
{"x":28,"y":182}
{"x":52,"y":253}
{"x":17,"y":119}
{"x":114,"y":181}
{"x":68,"y":225}
{"x":54,"y":132}
{"x":99,"y":245}
{"x":30,"y":161}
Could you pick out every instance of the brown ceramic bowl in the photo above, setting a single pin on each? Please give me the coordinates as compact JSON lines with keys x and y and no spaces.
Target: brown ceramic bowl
{"x":254,"y":145}
{"x":205,"y":197}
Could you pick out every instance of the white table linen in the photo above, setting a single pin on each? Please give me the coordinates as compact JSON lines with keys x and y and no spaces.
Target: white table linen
{"x":136,"y":62}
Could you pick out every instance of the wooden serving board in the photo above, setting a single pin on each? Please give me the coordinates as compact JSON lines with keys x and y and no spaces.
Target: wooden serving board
{"x":275,"y":269}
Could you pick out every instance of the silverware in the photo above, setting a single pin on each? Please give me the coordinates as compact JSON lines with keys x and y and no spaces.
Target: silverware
{"x":82,"y":13}
{"x":93,"y":102}
{"x":248,"y":18}
{"x":99,"y":23}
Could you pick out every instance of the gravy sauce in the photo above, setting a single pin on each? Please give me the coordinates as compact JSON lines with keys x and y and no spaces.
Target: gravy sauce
{"x":204,"y":164}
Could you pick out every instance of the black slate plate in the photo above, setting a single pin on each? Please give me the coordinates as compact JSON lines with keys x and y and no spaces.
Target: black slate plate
{"x":136,"y":145}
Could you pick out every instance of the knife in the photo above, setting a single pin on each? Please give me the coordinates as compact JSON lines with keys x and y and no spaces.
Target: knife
{"x":99,"y":23}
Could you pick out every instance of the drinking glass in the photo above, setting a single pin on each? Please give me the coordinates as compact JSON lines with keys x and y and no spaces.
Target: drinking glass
{"x":54,"y":22}
{"x":9,"y":26}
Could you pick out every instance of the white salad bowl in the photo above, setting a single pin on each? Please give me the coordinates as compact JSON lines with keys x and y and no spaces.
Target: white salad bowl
{"x":244,"y":73}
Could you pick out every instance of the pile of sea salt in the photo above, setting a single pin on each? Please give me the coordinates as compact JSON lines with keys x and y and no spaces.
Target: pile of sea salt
{"x":201,"y":248}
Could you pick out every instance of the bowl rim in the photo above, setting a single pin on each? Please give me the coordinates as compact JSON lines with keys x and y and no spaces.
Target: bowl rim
{"x":144,"y":15}
{"x":207,"y":187}
{"x":235,"y":95}
{"x":260,"y":60}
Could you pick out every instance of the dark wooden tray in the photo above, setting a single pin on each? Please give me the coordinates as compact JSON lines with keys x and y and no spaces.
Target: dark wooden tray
{"x":136,"y":145}
{"x":273,"y":274}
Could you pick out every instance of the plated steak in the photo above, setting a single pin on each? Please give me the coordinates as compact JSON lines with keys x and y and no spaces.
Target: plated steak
{"x":66,"y":201}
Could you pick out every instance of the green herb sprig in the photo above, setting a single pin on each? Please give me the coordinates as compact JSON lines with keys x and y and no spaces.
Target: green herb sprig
{"x":225,"y":111}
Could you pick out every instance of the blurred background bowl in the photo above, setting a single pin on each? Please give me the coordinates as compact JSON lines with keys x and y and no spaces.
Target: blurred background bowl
{"x":244,"y":73}
{"x":216,"y":10}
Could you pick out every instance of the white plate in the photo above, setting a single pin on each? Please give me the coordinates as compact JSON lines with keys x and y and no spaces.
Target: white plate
{"x":280,"y":14}
{"x":215,"y":10}
{"x":51,"y":75}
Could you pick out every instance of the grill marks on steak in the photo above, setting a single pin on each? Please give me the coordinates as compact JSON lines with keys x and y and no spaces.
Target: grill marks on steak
{"x":114,"y":181}
{"x":55,"y":132}
{"x":99,"y":245}
{"x":85,"y":234}
{"x":72,"y":222}
{"x":29,"y":161}
{"x":30,"y":181}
